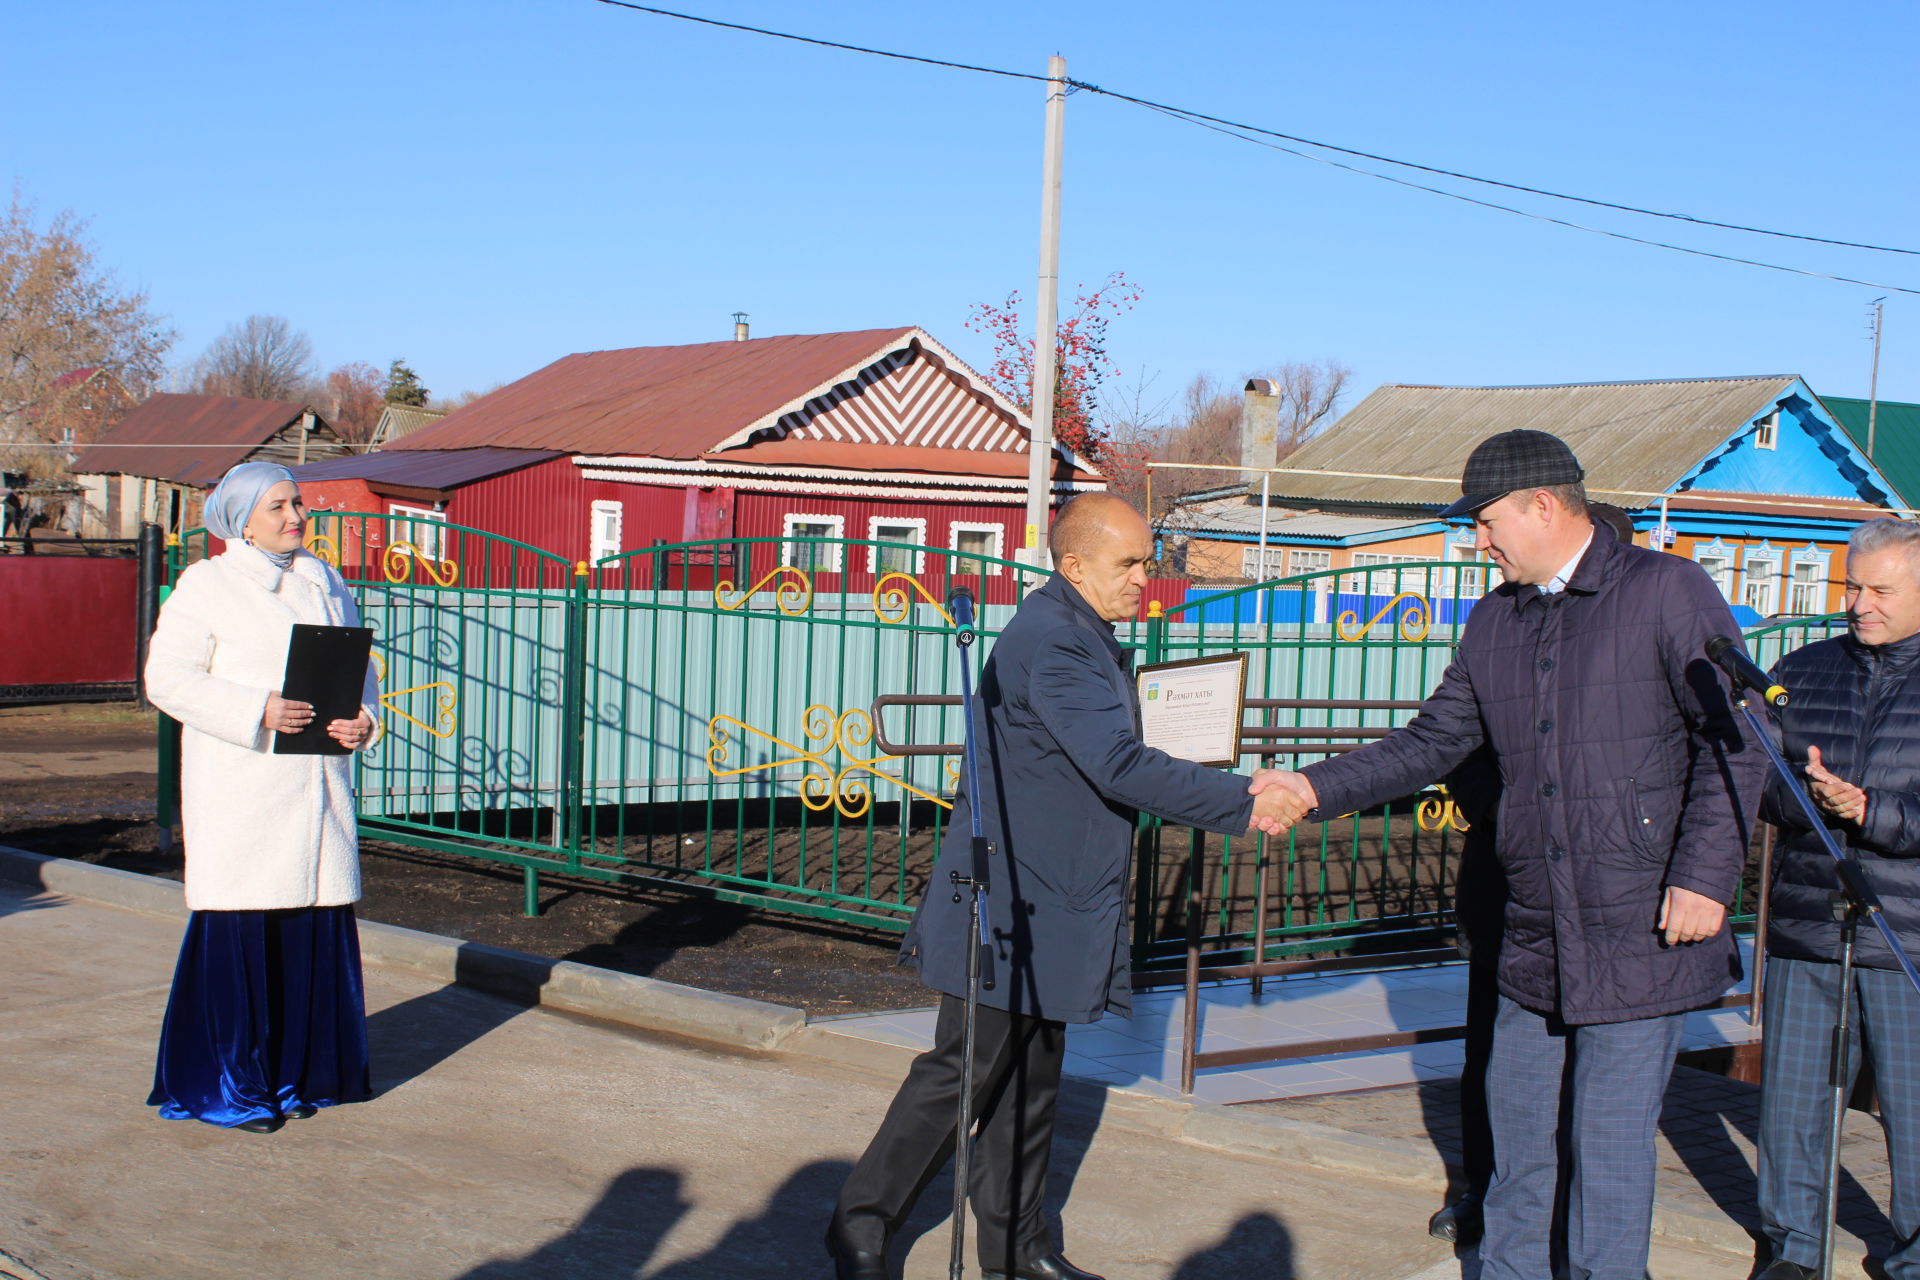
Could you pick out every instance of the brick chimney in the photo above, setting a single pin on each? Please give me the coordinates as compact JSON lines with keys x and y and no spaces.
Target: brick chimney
{"x":1260,"y":424}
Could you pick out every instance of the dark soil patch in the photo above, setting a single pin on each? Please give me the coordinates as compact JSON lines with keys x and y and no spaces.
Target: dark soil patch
{"x":717,"y":946}
{"x":1356,"y":870}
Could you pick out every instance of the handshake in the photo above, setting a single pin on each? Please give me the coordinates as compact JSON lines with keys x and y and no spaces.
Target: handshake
{"x":1280,"y":799}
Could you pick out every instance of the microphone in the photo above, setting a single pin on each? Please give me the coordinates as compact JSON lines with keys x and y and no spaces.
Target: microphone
{"x":960,"y":608}
{"x":1726,"y":653}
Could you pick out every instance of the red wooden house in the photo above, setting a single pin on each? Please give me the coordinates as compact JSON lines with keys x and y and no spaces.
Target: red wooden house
{"x":880,"y":434}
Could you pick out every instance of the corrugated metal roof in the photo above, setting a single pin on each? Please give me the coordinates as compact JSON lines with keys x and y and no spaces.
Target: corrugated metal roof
{"x":425,"y":469}
{"x":397,"y":420}
{"x":666,"y":402}
{"x":1240,"y":515}
{"x":186,"y":439}
{"x":1638,"y":437}
{"x":1896,"y":439}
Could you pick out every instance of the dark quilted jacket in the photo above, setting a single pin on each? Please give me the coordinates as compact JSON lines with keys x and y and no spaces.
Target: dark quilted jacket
{"x":1860,"y":704}
{"x":1623,"y":767}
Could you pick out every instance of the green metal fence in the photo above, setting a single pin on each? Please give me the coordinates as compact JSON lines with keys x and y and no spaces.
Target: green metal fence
{"x":723,"y":715}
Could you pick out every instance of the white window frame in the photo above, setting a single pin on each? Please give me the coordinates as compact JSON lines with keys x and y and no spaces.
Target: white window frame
{"x":1821,"y":562}
{"x":835,"y":551}
{"x":1471,"y":575}
{"x":428,"y":541}
{"x":998,"y":534}
{"x":1276,"y":560}
{"x":1349,"y":583}
{"x":1304,"y":560}
{"x":1760,"y":567}
{"x":600,"y":544}
{"x":919,"y":526}
{"x":1766,"y":433}
{"x":1723,"y":555}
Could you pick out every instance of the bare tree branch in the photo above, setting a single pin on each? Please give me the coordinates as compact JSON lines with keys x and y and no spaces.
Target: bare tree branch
{"x":261,"y":358}
{"x":61,"y":313}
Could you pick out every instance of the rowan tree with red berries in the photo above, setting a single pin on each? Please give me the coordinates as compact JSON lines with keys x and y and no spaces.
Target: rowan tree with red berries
{"x":1080,"y":347}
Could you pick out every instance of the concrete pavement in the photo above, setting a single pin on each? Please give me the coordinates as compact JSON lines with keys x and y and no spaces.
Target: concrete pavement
{"x":515,"y":1143}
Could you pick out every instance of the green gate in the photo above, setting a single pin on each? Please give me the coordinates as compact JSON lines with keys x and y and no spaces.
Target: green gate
{"x":772,"y":721}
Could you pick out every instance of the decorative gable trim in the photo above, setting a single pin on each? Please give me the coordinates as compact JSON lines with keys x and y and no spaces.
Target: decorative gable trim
{"x":1797,"y":404}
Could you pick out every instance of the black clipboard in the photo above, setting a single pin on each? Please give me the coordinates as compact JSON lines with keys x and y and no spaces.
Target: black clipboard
{"x":326,"y":666}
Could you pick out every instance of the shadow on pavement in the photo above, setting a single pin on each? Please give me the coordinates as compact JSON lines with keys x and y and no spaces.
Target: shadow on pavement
{"x":1700,"y":1117}
{"x":490,"y":988}
{"x":1257,"y":1245}
{"x":620,"y":1234}
{"x":783,"y":1240}
{"x":16,"y":898}
{"x":613,"y":1241}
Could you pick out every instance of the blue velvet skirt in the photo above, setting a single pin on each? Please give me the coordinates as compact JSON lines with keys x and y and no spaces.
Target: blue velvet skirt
{"x":267,"y":1013}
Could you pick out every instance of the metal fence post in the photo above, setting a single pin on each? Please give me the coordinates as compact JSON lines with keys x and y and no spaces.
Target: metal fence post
{"x":151,"y":577}
{"x":1146,"y":863}
{"x":573,"y":727}
{"x":166,"y":808}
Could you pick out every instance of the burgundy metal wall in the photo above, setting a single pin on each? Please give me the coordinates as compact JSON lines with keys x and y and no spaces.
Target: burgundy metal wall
{"x":66,"y":620}
{"x":649,"y":513}
{"x":544,"y":506}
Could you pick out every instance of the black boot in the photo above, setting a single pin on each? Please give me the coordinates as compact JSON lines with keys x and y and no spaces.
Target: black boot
{"x":1052,"y":1267}
{"x":850,"y":1262}
{"x":1459,"y":1222}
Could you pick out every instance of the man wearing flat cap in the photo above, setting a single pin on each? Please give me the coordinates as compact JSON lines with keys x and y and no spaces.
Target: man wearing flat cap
{"x":1627,"y":795}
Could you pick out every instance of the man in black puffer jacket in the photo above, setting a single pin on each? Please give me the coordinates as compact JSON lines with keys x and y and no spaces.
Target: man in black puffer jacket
{"x":1853,"y":725}
{"x":1628,"y":791}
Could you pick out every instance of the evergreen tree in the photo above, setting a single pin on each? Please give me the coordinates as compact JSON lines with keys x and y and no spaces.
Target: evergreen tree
{"x":403,"y":385}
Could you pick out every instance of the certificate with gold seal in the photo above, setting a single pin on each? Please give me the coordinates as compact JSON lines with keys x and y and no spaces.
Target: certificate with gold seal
{"x":1193,"y":709}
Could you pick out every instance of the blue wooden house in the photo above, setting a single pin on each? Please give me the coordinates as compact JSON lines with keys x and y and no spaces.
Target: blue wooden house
{"x":1753,"y":477}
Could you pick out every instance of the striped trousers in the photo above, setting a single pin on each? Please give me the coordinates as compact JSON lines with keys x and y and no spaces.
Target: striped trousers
{"x":1612,"y":1077}
{"x":1796,"y":1101}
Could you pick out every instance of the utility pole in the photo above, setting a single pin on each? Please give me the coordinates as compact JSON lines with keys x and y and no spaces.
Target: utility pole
{"x":1879,"y":306}
{"x":1046,"y":323}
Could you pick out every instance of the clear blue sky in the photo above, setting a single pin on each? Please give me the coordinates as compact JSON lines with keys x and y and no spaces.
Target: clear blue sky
{"x":484,"y":187}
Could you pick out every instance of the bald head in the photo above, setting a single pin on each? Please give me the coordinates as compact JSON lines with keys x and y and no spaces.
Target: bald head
{"x":1101,"y":545}
{"x":1087,"y":519}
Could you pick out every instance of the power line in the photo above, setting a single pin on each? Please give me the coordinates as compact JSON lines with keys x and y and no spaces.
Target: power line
{"x":1230,"y":127}
{"x":1203,"y":123}
{"x":1200,"y":117}
{"x":830,"y":44}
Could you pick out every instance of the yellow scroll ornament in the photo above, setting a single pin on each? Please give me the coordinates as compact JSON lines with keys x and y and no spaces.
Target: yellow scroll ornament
{"x":843,"y":786}
{"x":1414,"y":621}
{"x":793,"y":597}
{"x":892,"y":604}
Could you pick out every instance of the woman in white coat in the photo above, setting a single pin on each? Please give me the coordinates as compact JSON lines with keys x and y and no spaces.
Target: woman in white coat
{"x":266,"y":1020}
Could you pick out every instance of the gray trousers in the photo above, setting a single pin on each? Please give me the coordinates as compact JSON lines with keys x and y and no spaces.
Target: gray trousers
{"x":1613,"y":1076}
{"x":1796,"y":1101}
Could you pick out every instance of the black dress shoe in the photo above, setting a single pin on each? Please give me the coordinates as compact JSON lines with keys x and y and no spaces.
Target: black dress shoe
{"x":1458,"y":1223}
{"x":266,"y":1124}
{"x":305,"y":1111}
{"x":852,"y":1263}
{"x":1052,"y":1267}
{"x":1781,"y":1269}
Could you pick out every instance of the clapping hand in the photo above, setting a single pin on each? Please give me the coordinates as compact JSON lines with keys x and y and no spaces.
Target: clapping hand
{"x":1280,"y":799}
{"x":1835,"y":794}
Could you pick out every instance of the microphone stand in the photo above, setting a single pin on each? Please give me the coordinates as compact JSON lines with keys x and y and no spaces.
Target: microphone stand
{"x":1853,"y":901}
{"x":979,"y":950}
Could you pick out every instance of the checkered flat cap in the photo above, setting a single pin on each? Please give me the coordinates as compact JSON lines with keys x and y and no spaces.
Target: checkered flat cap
{"x":1513,"y":460}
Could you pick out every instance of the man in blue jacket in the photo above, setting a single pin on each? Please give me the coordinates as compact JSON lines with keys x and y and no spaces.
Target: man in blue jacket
{"x":1854,"y":724}
{"x":1062,"y":774}
{"x":1627,"y":797}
